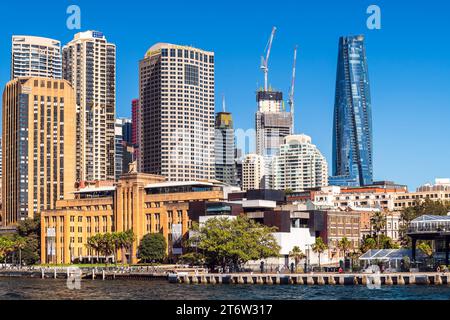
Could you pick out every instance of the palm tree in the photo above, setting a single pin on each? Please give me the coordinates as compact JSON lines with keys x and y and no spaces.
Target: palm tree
{"x":319,"y":247}
{"x":344,"y":245}
{"x":20,"y":244}
{"x":94,"y":243}
{"x":118,"y":239}
{"x":129,"y":239}
{"x":378,"y":222}
{"x":297,"y":254}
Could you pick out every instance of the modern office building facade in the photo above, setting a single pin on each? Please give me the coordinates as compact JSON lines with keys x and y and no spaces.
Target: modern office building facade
{"x":299,"y":165}
{"x":225,"y":149}
{"x":352,"y":133}
{"x":89,"y":64}
{"x":177,"y":108}
{"x":38,"y":146}
{"x":35,"y":57}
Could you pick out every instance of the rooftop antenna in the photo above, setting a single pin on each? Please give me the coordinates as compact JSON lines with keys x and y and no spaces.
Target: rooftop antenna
{"x":292,"y":90}
{"x":265,"y":61}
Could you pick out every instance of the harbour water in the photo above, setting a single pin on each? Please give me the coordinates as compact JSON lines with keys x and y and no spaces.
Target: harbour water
{"x":50,"y":289}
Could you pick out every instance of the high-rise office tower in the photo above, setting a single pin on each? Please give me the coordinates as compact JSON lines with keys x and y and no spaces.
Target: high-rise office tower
{"x":127,"y":130}
{"x":352,"y":134}
{"x":177,"y":103}
{"x":253,"y":172}
{"x":136,"y":130}
{"x":123,"y":146}
{"x":118,"y":148}
{"x":225,"y":149}
{"x":299,"y":165}
{"x":89,"y":64}
{"x":273,"y":124}
{"x":35,"y":57}
{"x":39,"y":137}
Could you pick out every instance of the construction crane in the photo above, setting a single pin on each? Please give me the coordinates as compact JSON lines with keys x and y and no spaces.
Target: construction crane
{"x":292,"y":89}
{"x":265,"y":61}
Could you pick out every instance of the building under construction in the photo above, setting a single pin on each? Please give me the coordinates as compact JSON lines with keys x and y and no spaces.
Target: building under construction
{"x":273,"y":122}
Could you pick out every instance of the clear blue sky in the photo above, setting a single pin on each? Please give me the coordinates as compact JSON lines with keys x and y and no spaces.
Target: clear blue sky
{"x":409,"y":62}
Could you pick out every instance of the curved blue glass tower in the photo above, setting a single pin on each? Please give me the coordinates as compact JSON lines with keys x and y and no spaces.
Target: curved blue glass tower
{"x":352,"y":133}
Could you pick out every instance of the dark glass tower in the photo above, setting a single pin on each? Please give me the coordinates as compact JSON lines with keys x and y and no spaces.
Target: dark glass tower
{"x":352,"y":134}
{"x":225,"y":149}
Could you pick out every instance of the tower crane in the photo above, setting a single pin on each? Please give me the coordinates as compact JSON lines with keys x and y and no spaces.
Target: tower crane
{"x":265,"y":61}
{"x":292,"y":89}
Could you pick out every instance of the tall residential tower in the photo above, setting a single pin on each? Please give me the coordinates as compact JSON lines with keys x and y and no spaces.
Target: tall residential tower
{"x":352,"y":134}
{"x":300,"y":165}
{"x":35,"y":57}
{"x":177,"y":107}
{"x":89,"y":64}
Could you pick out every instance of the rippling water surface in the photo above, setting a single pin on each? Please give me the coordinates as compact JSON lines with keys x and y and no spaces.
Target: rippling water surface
{"x":24,"y":288}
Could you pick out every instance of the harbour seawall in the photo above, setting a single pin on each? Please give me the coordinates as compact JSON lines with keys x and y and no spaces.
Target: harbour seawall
{"x":385,"y":279}
{"x":315,"y":279}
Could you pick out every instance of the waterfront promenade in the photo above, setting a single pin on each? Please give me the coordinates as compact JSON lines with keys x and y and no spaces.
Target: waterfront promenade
{"x":185,"y":275}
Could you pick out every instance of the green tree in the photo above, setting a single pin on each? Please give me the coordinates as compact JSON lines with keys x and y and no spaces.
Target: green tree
{"x":192,"y":259}
{"x":426,"y":249}
{"x":94,"y":243}
{"x":107,"y":245}
{"x":30,"y":230}
{"x":128,"y":241}
{"x":153,"y":248}
{"x":344,"y":245}
{"x":123,"y":241}
{"x":367,"y":243}
{"x":420,"y":208}
{"x":20,"y":243}
{"x":6,"y":247}
{"x":387,"y":243}
{"x":233,"y":242}
{"x":319,"y":247}
{"x":297,"y":254}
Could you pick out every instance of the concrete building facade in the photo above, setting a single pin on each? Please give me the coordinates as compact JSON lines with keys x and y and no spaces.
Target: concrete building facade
{"x":39,"y":137}
{"x":299,"y":165}
{"x":176,"y":87}
{"x":140,"y":202}
{"x":253,"y":170}
{"x":89,"y":64}
{"x":35,"y":57}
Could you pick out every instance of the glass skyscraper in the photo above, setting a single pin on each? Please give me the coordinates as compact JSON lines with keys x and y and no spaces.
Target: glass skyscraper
{"x":352,"y":133}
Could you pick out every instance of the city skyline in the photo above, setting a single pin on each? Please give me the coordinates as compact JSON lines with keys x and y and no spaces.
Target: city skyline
{"x":420,"y":84}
